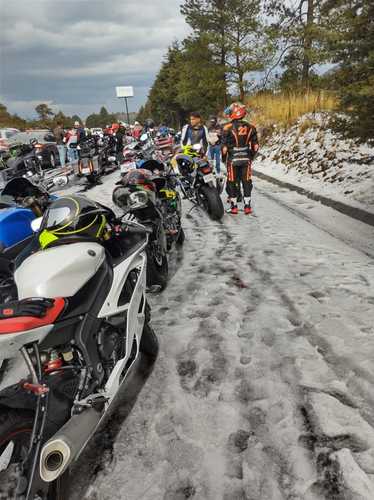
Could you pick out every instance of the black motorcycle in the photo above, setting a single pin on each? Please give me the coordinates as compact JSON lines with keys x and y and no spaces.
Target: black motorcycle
{"x":108,"y":154}
{"x":22,"y":160}
{"x":90,"y":164}
{"x":136,"y":194}
{"x":198,"y":184}
{"x":169,"y":200}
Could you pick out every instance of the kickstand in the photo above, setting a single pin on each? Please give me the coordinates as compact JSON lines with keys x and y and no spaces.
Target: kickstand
{"x":190,"y":210}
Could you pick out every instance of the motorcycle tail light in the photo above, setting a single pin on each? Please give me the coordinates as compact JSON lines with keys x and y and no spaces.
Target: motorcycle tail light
{"x":206,"y":170}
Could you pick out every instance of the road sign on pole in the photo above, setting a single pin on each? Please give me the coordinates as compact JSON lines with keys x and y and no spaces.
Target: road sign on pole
{"x":125,"y":93}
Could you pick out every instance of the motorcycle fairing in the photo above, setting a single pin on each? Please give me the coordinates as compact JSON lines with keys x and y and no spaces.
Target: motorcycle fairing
{"x":11,"y":343}
{"x":26,"y":323}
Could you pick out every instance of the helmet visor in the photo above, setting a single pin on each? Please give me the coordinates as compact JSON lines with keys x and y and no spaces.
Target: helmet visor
{"x":56,"y":216}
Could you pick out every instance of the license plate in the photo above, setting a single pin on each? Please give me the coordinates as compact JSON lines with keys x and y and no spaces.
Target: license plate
{"x":125,"y":167}
{"x":86,"y":170}
{"x":209,"y":178}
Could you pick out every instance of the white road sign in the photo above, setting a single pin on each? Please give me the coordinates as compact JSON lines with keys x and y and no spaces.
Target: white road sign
{"x":125,"y":91}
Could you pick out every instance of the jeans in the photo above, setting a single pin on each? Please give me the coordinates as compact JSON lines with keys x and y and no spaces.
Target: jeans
{"x":61,"y":152}
{"x":215,"y":154}
{"x":72,"y":155}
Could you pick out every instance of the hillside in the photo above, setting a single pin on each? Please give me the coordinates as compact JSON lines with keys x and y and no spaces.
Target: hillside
{"x":311,"y":154}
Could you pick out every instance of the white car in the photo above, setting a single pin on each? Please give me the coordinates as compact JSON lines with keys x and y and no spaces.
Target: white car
{"x":5,"y":135}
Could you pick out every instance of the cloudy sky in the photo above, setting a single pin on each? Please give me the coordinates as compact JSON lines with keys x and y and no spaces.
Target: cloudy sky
{"x":72,"y":53}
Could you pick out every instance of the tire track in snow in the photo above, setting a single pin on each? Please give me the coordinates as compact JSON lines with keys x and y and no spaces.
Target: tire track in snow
{"x":224,"y":414}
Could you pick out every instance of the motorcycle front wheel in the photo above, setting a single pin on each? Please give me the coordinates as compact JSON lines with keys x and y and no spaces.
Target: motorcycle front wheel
{"x":15,"y":430}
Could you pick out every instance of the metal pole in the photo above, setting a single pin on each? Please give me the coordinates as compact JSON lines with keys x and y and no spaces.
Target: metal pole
{"x":127,"y":112}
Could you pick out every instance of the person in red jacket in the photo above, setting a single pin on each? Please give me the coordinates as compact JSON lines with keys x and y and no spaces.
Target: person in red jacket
{"x":137,"y":131}
{"x":240,"y":145}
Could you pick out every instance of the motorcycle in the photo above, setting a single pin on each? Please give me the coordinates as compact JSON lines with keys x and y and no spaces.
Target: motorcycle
{"x":22,"y":160}
{"x":107,"y":148}
{"x":79,"y":337}
{"x":169,"y":201}
{"x":136,"y":195}
{"x":20,"y":203}
{"x":131,"y":154}
{"x":90,"y":164}
{"x":198,"y":182}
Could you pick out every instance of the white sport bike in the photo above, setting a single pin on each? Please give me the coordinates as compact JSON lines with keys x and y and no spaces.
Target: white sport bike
{"x":79,"y":325}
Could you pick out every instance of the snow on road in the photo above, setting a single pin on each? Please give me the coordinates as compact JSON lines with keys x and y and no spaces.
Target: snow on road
{"x":263,"y":386}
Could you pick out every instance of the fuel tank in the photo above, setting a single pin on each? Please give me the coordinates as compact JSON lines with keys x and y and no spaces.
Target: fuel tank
{"x":58,"y":271}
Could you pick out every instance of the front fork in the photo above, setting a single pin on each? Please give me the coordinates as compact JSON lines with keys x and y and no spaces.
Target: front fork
{"x":29,"y":482}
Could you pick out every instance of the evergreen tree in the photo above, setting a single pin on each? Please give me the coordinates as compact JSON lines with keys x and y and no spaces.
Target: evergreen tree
{"x":44,"y":111}
{"x":236,"y":34}
{"x":301,"y":29}
{"x":351,"y":43}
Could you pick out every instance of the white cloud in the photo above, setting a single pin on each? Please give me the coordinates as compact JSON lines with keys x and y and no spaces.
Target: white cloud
{"x":74,"y":52}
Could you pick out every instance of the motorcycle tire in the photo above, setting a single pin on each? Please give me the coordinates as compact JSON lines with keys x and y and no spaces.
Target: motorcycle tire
{"x":16,"y":426}
{"x":157,"y":273}
{"x":148,"y":342}
{"x":212,"y":202}
{"x":52,"y":161}
{"x":181,"y":237}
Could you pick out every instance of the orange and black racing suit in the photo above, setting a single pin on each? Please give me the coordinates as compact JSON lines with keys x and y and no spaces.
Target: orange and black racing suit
{"x":240,"y":146}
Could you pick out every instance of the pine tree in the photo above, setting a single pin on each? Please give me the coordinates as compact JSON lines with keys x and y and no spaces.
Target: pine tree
{"x":238,"y":37}
{"x":301,"y":29}
{"x":351,"y":43}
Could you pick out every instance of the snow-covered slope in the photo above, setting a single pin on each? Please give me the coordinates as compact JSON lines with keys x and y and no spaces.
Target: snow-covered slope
{"x":311,"y":154}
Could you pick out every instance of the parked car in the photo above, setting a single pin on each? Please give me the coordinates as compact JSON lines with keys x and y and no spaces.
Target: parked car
{"x":46,"y":146}
{"x":5,"y":135}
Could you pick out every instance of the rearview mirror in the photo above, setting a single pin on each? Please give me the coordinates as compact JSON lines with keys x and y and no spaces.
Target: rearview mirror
{"x":36,"y":223}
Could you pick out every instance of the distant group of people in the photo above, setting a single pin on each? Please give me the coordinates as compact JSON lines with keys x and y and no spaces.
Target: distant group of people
{"x":65,"y":139}
{"x":235,"y":143}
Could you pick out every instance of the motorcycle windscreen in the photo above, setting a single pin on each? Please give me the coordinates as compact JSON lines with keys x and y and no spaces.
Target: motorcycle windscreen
{"x":21,"y":188}
{"x":59,"y":271}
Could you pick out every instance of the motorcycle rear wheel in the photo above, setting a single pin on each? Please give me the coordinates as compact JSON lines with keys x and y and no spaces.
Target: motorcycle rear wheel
{"x":16,"y":426}
{"x":212,"y":202}
{"x":157,"y":269}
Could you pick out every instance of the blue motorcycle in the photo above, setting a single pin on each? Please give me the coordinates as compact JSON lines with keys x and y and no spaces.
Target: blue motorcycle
{"x":20,"y":203}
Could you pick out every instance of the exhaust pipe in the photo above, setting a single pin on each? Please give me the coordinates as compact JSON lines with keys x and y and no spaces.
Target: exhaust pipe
{"x":64,"y":447}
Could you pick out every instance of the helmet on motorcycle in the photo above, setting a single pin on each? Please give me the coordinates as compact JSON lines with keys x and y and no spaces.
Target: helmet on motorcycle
{"x":72,"y":215}
{"x":115,"y":126}
{"x":184,"y":164}
{"x":236,"y":111}
{"x":139,"y":179}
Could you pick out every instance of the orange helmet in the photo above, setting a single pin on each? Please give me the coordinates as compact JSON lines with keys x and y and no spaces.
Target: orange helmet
{"x":115,"y":126}
{"x":236,"y":111}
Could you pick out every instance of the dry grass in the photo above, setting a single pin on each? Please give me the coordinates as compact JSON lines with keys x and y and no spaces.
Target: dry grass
{"x":284,"y":109}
